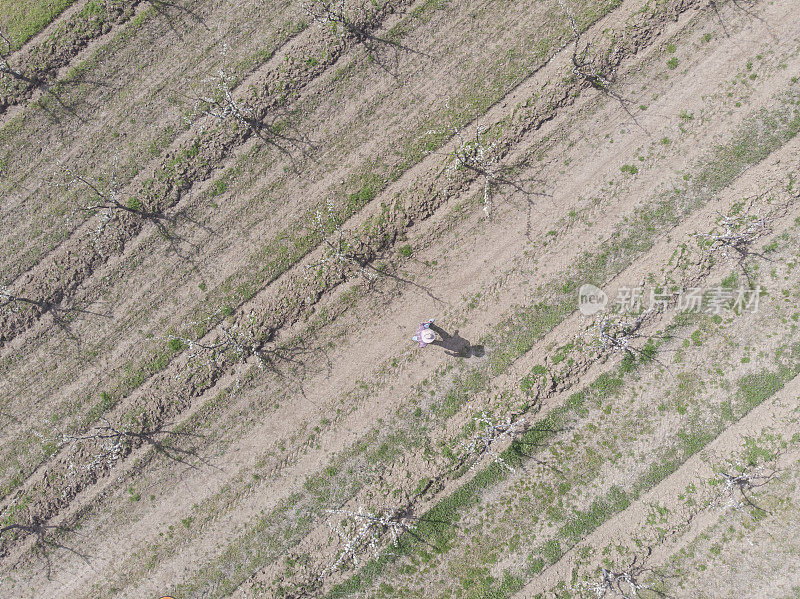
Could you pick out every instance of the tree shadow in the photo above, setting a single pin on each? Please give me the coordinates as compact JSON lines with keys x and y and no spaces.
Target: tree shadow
{"x":167,"y":227}
{"x":171,"y":451}
{"x":739,"y":5}
{"x":44,"y":542}
{"x":30,"y":84}
{"x":523,"y":185}
{"x":53,"y":113}
{"x":7,"y":71}
{"x":42,"y":79}
{"x":55,"y":90}
{"x":166,"y":9}
{"x":384,"y":272}
{"x":274,"y":130}
{"x":745,"y":255}
{"x":455,"y":345}
{"x":156,"y":435}
{"x":288,"y":361}
{"x":424,"y":527}
{"x":376,"y":51}
{"x":713,"y":4}
{"x":607,"y":88}
{"x":62,"y":316}
{"x":53,"y":304}
{"x":527,"y":445}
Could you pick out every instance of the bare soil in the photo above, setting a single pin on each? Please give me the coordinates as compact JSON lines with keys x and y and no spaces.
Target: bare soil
{"x":195,"y":392}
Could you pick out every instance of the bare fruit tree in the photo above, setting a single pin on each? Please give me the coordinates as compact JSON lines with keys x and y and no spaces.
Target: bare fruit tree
{"x":328,"y":13}
{"x":489,"y":432}
{"x":111,"y":438}
{"x":623,"y":583}
{"x":234,"y":340}
{"x":480,"y":156}
{"x":614,"y":333}
{"x":616,"y":584}
{"x":735,"y":233}
{"x":105,"y":430}
{"x":341,"y":16}
{"x":474,"y":153}
{"x":220,"y":102}
{"x":582,"y":66}
{"x":223,"y":105}
{"x":105,"y":200}
{"x":197,"y":349}
{"x":361,"y":532}
{"x":738,"y":483}
{"x":338,"y":255}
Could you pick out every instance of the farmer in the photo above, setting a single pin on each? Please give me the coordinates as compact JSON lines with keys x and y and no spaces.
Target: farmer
{"x":425,"y":336}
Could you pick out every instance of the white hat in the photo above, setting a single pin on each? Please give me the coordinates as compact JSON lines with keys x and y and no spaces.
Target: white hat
{"x":428,"y":336}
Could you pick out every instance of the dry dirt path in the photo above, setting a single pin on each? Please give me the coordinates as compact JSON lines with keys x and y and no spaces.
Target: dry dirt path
{"x":468,"y":266}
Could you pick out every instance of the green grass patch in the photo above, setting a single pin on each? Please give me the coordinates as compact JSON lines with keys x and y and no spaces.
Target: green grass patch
{"x":529,"y":324}
{"x":20,"y":20}
{"x":761,"y":134}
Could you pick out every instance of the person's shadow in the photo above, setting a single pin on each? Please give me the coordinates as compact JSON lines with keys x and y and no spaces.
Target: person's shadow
{"x":455,"y":345}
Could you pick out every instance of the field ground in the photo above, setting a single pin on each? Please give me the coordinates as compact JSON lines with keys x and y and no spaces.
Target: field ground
{"x":209,"y":388}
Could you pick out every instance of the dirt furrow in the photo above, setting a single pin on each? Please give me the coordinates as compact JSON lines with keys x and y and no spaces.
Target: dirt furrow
{"x":36,"y":65}
{"x":788,"y":149}
{"x":379,"y":232}
{"x":563,"y":379}
{"x":307,"y":386}
{"x":53,"y":280}
{"x":622,"y":529}
{"x":108,"y":106}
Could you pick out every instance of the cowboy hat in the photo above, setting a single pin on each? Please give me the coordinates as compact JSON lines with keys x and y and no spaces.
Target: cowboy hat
{"x":427,"y":336}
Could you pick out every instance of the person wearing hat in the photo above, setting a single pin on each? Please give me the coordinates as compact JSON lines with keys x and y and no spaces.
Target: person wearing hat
{"x":425,"y":336}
